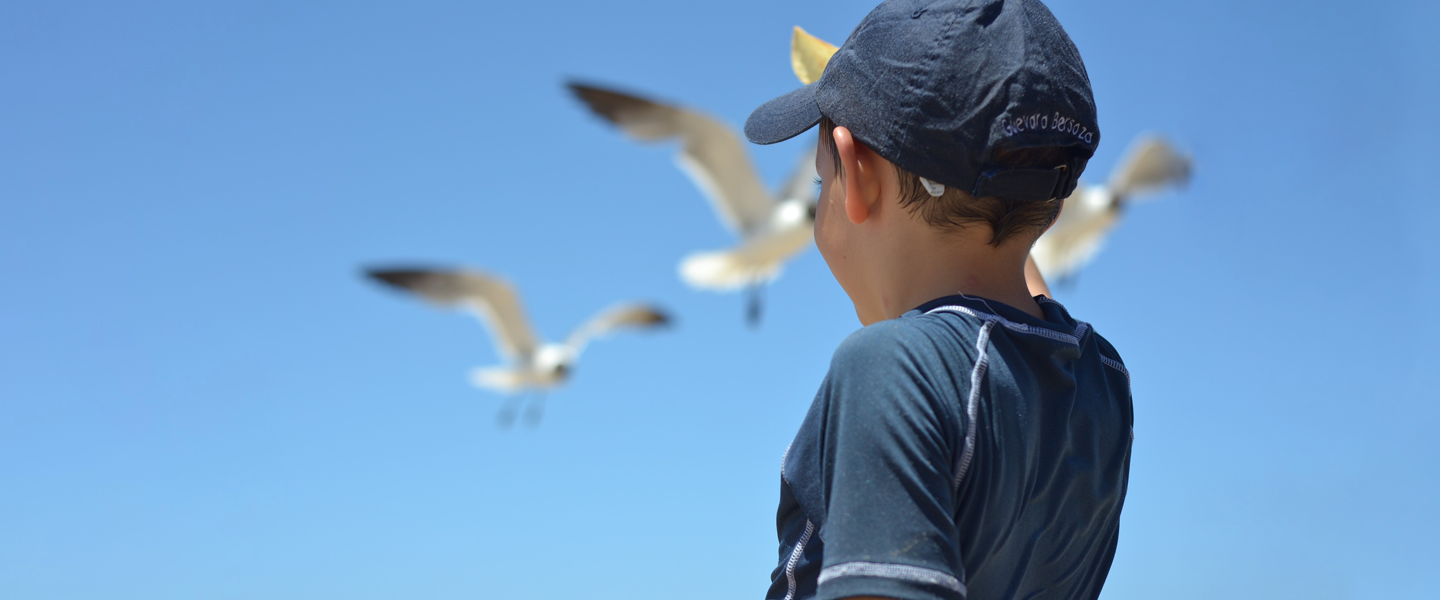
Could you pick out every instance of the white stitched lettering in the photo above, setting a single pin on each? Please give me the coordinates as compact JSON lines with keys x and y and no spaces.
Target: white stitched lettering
{"x":1039,"y":122}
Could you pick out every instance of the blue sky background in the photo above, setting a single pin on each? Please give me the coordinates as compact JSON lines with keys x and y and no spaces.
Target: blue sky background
{"x":200,"y":397}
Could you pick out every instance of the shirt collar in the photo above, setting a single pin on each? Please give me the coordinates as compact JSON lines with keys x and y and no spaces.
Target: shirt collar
{"x":1056,"y":317}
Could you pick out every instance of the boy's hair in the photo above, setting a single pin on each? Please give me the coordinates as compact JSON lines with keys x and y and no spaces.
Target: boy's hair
{"x":957,"y":208}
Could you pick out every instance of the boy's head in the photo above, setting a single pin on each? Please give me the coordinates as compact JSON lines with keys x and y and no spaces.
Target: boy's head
{"x":1005,"y":220}
{"x":946,"y":88}
{"x":976,"y":114}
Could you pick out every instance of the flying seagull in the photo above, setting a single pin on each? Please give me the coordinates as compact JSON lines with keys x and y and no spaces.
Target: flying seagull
{"x":771,"y":227}
{"x":1151,"y":165}
{"x":533,"y":363}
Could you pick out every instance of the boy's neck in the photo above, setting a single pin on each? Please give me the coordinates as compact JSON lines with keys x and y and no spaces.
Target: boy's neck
{"x":931,"y":264}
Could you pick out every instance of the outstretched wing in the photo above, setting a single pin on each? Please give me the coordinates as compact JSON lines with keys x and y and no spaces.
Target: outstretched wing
{"x":492,"y":298}
{"x":1078,"y":232}
{"x":624,"y":316}
{"x":1149,"y":165}
{"x":710,"y":153}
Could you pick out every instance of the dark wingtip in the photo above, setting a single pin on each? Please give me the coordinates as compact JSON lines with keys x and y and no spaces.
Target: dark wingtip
{"x":659,"y":318}
{"x":577,"y":87}
{"x":588,"y":92}
{"x":600,"y":101}
{"x":606,"y":102}
{"x":398,"y":277}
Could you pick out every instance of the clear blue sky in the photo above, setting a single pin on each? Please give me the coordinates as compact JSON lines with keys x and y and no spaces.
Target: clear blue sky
{"x":199,"y":397}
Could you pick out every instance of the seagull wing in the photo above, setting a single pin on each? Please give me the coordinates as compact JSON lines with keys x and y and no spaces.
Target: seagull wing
{"x":711,"y":153}
{"x":624,"y":316}
{"x":1059,"y":256}
{"x":1150,"y":165}
{"x":1078,"y":233}
{"x":492,"y":298}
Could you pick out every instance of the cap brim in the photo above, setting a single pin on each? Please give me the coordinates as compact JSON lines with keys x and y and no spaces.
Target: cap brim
{"x":784,"y":117}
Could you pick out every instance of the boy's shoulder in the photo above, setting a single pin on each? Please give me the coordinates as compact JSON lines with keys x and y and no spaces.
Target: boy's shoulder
{"x":914,"y":342}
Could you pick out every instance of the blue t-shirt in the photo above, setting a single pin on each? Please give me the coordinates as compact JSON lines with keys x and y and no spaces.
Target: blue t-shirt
{"x":965,"y":449}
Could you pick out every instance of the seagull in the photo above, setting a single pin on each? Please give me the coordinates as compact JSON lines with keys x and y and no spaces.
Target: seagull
{"x":533,"y":363}
{"x":771,"y":227}
{"x":1151,"y":165}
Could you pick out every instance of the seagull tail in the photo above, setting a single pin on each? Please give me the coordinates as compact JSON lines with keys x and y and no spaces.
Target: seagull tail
{"x":724,"y":271}
{"x":1150,"y":165}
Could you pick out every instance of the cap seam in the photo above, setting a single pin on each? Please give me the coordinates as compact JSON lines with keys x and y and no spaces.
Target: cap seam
{"x":919,"y":75}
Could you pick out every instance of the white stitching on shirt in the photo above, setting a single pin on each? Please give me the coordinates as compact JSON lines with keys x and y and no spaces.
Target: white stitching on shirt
{"x":795,"y":558}
{"x":1080,"y":326}
{"x":977,"y":376}
{"x":980,"y":367}
{"x":1118,"y":366}
{"x":1011,"y":325}
{"x":891,"y":571}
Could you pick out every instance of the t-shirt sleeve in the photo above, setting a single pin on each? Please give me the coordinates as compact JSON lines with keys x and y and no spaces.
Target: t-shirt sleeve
{"x":888,"y":453}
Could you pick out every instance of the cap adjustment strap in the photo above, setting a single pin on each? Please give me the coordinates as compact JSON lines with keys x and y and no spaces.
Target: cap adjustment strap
{"x":1028,"y":185}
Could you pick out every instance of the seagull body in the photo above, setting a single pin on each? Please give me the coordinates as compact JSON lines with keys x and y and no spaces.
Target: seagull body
{"x":771,"y":227}
{"x":533,"y":364}
{"x":1092,"y":211}
{"x":759,"y":255}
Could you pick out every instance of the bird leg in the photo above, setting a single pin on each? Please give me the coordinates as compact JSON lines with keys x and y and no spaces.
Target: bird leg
{"x":752,"y":309}
{"x":505,"y":419}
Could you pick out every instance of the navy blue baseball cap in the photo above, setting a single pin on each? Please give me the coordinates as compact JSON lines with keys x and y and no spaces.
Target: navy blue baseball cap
{"x":941,"y":88}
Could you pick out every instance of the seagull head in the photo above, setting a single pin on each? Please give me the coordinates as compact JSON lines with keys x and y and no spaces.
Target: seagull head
{"x":792,"y":213}
{"x":554,"y":361}
{"x":1099,"y":199}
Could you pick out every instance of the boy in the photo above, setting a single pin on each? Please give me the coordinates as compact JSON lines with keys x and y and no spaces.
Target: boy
{"x":971,"y":440}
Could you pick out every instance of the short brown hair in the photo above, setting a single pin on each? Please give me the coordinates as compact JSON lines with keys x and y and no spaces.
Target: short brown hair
{"x":957,"y":208}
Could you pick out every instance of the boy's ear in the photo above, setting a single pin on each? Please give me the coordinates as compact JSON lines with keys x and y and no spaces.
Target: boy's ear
{"x":862,"y":186}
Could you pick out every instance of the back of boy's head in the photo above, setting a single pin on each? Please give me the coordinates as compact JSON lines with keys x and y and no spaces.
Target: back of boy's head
{"x":985,"y":99}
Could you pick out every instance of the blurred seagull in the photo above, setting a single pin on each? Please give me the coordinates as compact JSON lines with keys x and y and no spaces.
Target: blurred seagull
{"x":534,"y":364}
{"x":1150,"y":166}
{"x":771,"y":228}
